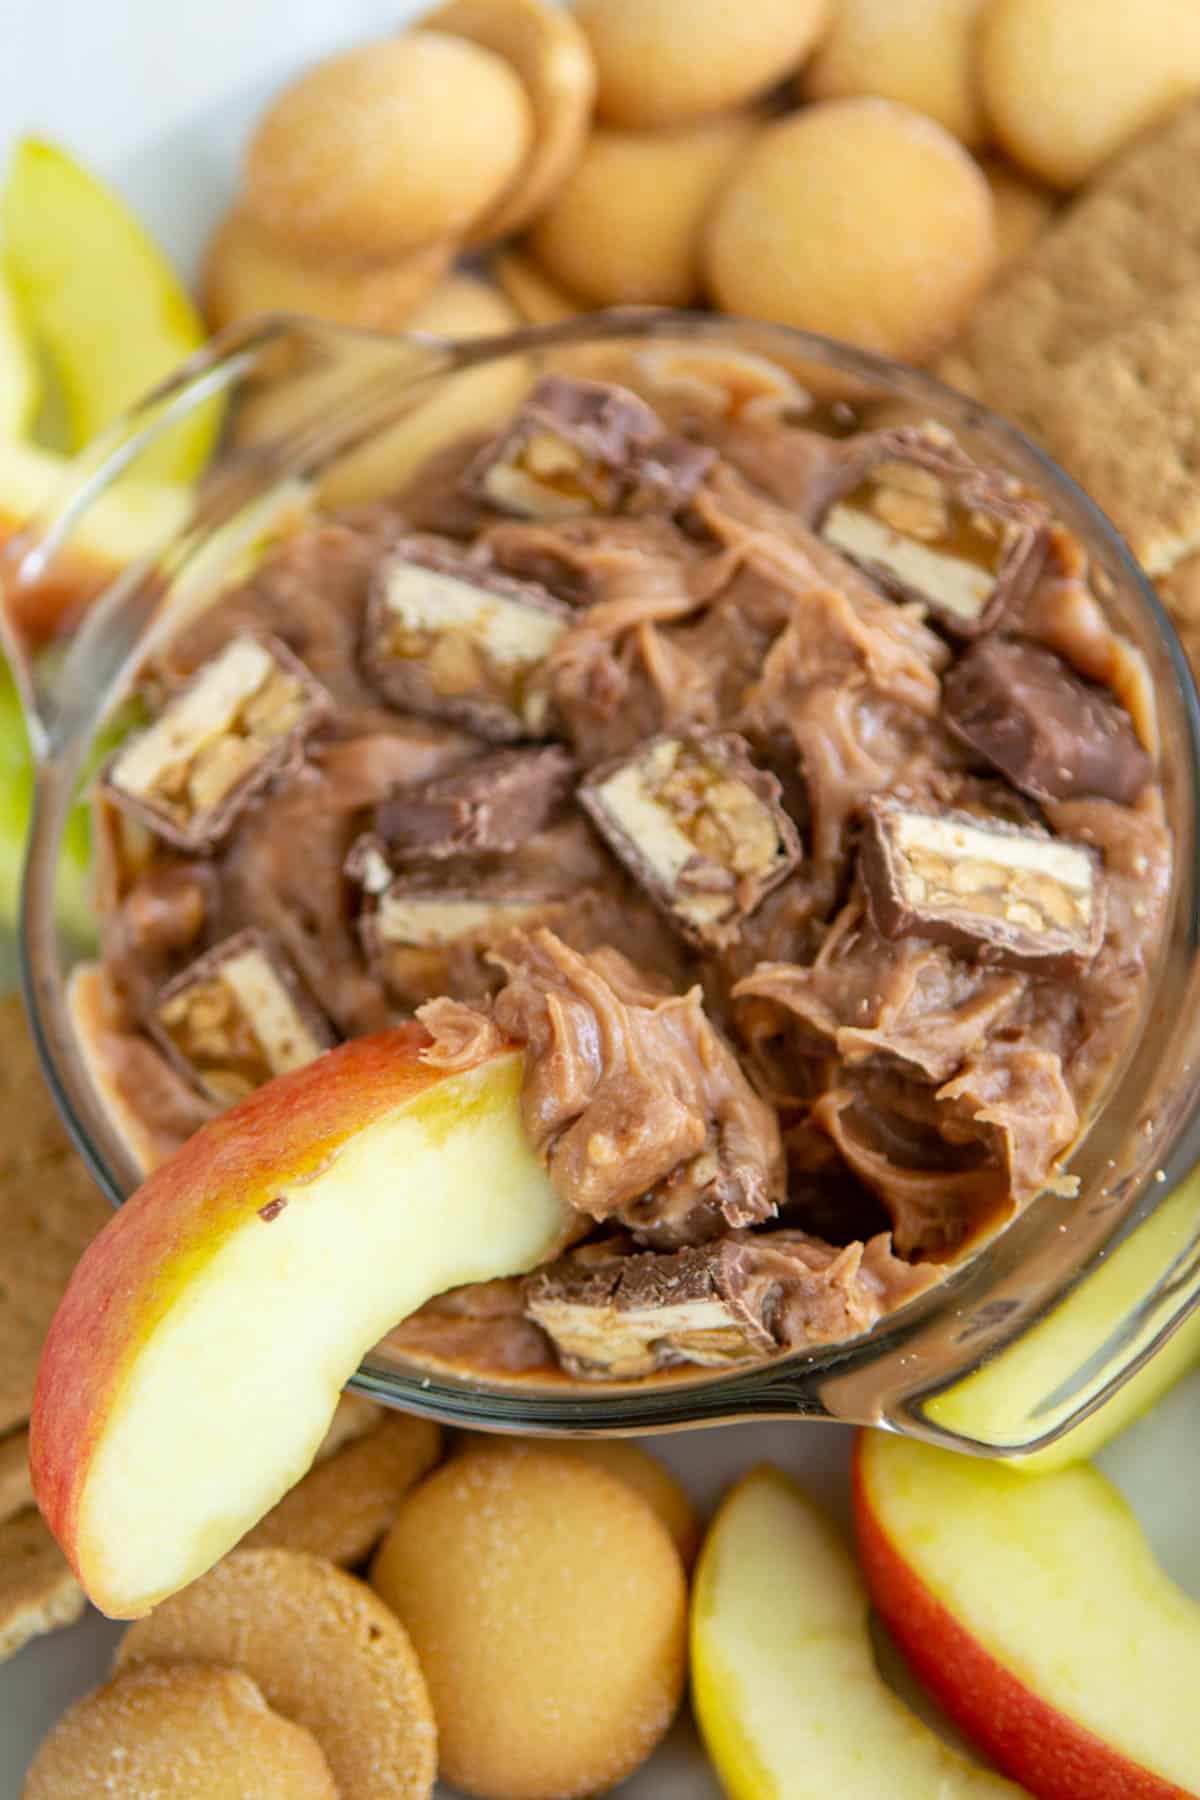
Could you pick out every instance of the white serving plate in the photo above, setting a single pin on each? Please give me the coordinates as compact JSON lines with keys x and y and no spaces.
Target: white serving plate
{"x":160,"y":102}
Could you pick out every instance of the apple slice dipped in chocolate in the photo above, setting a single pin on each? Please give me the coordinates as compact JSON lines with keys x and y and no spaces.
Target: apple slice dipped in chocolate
{"x":197,"y":1355}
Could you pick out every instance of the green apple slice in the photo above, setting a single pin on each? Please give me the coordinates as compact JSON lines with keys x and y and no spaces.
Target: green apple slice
{"x":20,"y":380}
{"x":101,"y":301}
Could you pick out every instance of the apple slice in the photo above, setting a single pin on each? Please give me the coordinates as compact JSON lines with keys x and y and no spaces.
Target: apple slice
{"x":130,"y":520}
{"x":784,"y":1683}
{"x":196,"y":1358}
{"x":102,"y":301}
{"x":20,"y":379}
{"x":1034,"y":1611}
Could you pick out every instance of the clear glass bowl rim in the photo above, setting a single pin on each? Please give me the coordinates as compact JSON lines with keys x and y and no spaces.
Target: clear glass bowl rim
{"x":886,"y":1377}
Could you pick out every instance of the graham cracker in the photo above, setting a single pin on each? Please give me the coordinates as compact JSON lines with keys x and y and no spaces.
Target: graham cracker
{"x":16,"y":1486}
{"x":38,"y":1592}
{"x":1180,"y":594}
{"x":50,"y":1209}
{"x":1123,"y":418}
{"x":346,"y":1502}
{"x":1129,"y":242}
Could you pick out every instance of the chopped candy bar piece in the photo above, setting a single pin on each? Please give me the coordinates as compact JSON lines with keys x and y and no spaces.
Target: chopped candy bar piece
{"x":409,"y":926}
{"x":450,"y":637}
{"x":930,"y":525}
{"x":238,"y":722}
{"x":999,"y":893}
{"x":1055,"y":736}
{"x":615,"y":1315}
{"x":492,"y":806}
{"x":625,"y":1316}
{"x":237,"y":1016}
{"x":699,"y":826}
{"x":587,"y":446}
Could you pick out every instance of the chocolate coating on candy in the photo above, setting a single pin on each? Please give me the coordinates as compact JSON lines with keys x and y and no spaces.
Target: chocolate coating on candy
{"x":698,"y":825}
{"x":239,"y":722}
{"x":449,"y":636}
{"x":930,"y":525}
{"x":993,"y":891}
{"x":492,"y":806}
{"x":1055,"y":736}
{"x":237,"y":1016}
{"x":578,"y":447}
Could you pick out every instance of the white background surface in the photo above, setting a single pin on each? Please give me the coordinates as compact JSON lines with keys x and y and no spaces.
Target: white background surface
{"x":157,"y":94}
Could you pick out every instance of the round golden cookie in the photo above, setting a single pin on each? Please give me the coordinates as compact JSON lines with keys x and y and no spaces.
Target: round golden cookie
{"x":181,"y":1732}
{"x":346,"y":1502}
{"x":630,"y":1464}
{"x":626,"y":227}
{"x":531,"y":290}
{"x":399,"y":143}
{"x":549,"y":52}
{"x":1023,"y":208}
{"x":857,"y":218}
{"x":1067,"y":82}
{"x":655,"y":1483}
{"x":474,"y":402}
{"x":247,"y":272}
{"x":324,"y":1650}
{"x":919,"y":52}
{"x":549,"y":1609}
{"x":660,"y":64}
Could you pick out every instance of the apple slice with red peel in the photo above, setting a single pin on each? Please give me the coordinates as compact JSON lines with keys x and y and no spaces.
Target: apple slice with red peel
{"x":784,"y":1681}
{"x":1033,"y":1610}
{"x":196,"y":1358}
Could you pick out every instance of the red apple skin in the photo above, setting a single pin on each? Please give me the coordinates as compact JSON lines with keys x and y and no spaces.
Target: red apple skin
{"x":176,"y":1220}
{"x":1029,"y":1740}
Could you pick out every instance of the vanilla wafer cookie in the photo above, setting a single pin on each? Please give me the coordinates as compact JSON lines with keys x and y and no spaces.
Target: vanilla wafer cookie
{"x":353,"y":1416}
{"x":324,"y":1650}
{"x":178,"y":1733}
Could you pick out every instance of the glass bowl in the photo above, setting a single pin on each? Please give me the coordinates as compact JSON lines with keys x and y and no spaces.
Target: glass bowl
{"x":1041,"y":1325}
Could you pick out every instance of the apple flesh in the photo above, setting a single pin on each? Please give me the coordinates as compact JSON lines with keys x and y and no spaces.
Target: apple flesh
{"x":196,"y":1358}
{"x":101,"y":301}
{"x":784,"y":1682}
{"x":1033,"y":1610}
{"x":20,"y":383}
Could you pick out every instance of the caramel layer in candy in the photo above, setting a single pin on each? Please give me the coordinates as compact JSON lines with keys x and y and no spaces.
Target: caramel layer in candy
{"x":491,"y":806}
{"x":587,"y":446}
{"x":930,"y":525}
{"x":698,"y":825}
{"x":237,"y":1016}
{"x":1053,"y":735}
{"x":238,"y":722}
{"x":450,"y":638}
{"x":996,"y":892}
